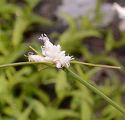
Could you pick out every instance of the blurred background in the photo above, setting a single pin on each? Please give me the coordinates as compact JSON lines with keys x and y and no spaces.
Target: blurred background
{"x":90,"y":30}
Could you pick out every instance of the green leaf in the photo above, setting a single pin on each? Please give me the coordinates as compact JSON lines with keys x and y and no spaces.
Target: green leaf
{"x":25,"y":115}
{"x":39,"y":108}
{"x":109,"y":41}
{"x":62,"y":86}
{"x":59,"y":114}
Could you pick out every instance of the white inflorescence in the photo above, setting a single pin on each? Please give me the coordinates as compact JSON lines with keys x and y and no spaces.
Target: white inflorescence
{"x":52,"y":53}
{"x":121,"y":13}
{"x":120,"y":10}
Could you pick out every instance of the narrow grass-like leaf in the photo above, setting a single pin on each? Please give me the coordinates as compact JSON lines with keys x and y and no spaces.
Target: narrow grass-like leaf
{"x":91,"y":87}
{"x":35,"y":50}
{"x":25,"y":63}
{"x":96,"y":65}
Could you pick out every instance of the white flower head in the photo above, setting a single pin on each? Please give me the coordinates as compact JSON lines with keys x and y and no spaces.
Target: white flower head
{"x":52,"y":53}
{"x":120,"y":10}
{"x":121,"y":13}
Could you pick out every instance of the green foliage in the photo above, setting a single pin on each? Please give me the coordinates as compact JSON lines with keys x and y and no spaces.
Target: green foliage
{"x":72,"y":38}
{"x":50,"y":94}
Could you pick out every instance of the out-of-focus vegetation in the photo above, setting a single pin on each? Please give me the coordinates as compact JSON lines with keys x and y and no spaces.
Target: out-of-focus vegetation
{"x":51,"y":94}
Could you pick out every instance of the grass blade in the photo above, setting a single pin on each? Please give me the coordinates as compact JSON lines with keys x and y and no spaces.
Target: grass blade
{"x":91,"y":87}
{"x":96,"y":65}
{"x":26,"y":63}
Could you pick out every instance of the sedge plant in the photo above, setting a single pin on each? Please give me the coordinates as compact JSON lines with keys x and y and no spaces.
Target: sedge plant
{"x":52,"y":56}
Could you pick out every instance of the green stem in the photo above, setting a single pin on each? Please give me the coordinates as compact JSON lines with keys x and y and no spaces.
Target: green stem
{"x":96,"y":65}
{"x":25,"y":63}
{"x":91,"y":87}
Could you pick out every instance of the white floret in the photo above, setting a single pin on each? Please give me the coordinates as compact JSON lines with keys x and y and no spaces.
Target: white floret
{"x":36,"y":58}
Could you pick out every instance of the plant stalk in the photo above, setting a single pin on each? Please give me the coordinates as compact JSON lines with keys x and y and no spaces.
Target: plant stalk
{"x":91,"y":87}
{"x":96,"y":65}
{"x":25,"y":63}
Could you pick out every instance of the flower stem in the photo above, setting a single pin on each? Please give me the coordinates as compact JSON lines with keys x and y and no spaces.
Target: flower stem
{"x":25,"y":63}
{"x":96,"y":65}
{"x":91,"y":87}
